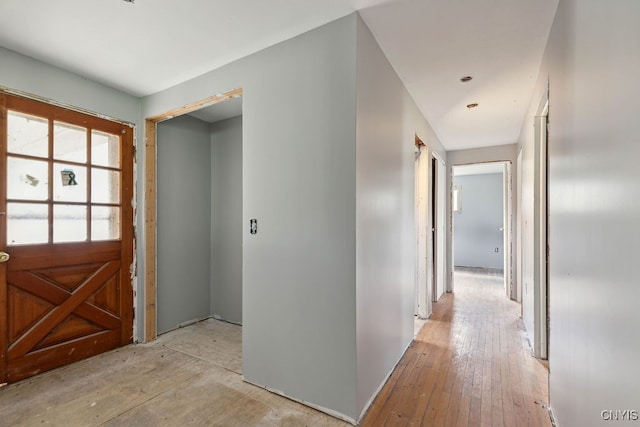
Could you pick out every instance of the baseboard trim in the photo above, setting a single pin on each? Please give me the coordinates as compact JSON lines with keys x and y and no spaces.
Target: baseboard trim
{"x":331,"y":412}
{"x":383,"y":383}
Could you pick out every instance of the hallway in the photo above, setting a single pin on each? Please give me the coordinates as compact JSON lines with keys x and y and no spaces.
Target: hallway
{"x":470,"y":365}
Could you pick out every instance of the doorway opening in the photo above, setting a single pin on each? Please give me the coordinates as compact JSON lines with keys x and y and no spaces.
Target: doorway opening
{"x":541,"y":233}
{"x":430,"y":217}
{"x":186,"y":148}
{"x":199,"y":229}
{"x":437,"y":220}
{"x":481,"y":208}
{"x":519,"y":234}
{"x":422,"y":217}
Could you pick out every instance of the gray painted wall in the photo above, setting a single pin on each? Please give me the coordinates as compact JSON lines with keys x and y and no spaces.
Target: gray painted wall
{"x":299,"y":334}
{"x":387,"y":122}
{"x":183,"y":221}
{"x":199,"y":220}
{"x":594,"y":203}
{"x":476,"y":228}
{"x":226,"y":219}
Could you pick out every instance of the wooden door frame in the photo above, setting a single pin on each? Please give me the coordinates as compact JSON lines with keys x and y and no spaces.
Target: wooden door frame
{"x":150,"y":203}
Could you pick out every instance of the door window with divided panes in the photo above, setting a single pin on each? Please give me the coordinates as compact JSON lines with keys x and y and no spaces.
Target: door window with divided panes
{"x":60,"y":189}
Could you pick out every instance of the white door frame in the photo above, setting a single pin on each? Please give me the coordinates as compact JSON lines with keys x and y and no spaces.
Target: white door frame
{"x":439,"y":256}
{"x":423,"y":231}
{"x":540,"y":233}
{"x":507,"y":228}
{"x":519,"y":230}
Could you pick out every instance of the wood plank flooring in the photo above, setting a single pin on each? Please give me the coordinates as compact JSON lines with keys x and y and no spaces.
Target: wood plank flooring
{"x":190,"y":376}
{"x":470,"y":365}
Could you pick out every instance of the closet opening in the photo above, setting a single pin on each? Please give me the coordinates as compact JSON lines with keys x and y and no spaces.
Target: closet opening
{"x":193,"y":232}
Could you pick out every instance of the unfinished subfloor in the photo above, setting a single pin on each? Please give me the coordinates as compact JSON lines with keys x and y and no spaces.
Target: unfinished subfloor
{"x":190,"y":376}
{"x":471,"y":365}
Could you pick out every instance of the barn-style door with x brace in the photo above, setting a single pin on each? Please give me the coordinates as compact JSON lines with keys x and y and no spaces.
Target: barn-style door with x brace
{"x":66,"y":243}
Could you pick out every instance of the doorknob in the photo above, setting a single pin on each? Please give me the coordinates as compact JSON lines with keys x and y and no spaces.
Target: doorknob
{"x":4,"y":257}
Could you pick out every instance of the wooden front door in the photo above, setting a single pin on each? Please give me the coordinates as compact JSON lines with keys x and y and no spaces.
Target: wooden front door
{"x":66,"y":236}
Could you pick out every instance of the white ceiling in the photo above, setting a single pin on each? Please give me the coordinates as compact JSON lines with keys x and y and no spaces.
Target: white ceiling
{"x":220,"y":111}
{"x":478,"y":169}
{"x":147,"y":46}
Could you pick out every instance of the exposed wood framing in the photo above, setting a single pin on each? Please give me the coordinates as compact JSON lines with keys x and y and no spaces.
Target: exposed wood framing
{"x":150,"y":330}
{"x":150,"y":203}
{"x":186,"y":109}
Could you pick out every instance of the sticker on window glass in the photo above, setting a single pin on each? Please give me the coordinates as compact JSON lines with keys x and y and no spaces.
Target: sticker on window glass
{"x":68,"y":177}
{"x":31,"y":180}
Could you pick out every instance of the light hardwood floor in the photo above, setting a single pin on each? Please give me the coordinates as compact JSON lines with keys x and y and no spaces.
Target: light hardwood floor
{"x":471,"y":365}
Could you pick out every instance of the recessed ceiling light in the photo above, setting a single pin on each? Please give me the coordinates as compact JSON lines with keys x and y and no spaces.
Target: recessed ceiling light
{"x":470,"y":106}
{"x":466,"y":79}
